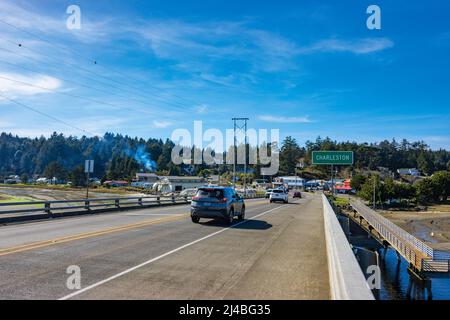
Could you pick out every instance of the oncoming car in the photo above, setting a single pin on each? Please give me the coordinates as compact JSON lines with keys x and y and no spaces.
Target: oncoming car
{"x":279,"y":195}
{"x":217,"y":203}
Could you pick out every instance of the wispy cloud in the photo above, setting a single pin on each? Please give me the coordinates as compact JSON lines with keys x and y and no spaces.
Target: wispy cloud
{"x":29,"y":17}
{"x":358,"y":46}
{"x":161,"y":124}
{"x":201,"y":109}
{"x":280,"y":119}
{"x":16,"y":89}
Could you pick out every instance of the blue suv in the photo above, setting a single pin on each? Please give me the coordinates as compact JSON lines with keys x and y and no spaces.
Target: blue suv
{"x":217,"y":202}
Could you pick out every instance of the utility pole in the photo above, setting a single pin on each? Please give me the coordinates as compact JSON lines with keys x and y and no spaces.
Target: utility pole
{"x":88,"y":168}
{"x":87,"y":185}
{"x":374,"y":191}
{"x":332,"y":180}
{"x":241,"y":125}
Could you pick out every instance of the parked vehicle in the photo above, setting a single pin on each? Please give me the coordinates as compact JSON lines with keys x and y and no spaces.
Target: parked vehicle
{"x":297,"y":194}
{"x":217,"y":202}
{"x":279,"y":195}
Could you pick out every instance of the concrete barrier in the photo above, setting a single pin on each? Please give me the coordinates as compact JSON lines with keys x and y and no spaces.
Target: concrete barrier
{"x":347,"y":281}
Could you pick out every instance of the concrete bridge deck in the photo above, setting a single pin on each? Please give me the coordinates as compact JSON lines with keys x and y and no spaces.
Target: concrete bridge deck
{"x":279,"y":252}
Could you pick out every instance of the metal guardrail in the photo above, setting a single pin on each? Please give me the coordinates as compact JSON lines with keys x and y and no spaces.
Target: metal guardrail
{"x":411,"y":248}
{"x":48,"y":207}
{"x":347,"y":281}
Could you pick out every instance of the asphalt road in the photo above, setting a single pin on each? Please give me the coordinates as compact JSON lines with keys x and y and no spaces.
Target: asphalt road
{"x":158,"y":253}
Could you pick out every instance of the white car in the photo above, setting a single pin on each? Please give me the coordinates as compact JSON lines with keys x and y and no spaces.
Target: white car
{"x":279,"y":195}
{"x":268,"y":192}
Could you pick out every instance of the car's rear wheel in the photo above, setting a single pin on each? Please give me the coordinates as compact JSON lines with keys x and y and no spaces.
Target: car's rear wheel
{"x":242,"y":215}
{"x":230,"y":218}
{"x":195,"y":219}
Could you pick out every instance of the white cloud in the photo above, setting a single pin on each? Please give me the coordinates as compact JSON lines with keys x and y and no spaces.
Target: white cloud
{"x":28,"y":17}
{"x":20,"y":88}
{"x":201,"y":109}
{"x":95,"y":124}
{"x":161,"y":124}
{"x":281,"y":119}
{"x":358,"y":46}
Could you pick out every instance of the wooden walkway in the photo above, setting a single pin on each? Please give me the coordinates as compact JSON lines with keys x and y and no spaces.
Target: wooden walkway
{"x":420,"y":255}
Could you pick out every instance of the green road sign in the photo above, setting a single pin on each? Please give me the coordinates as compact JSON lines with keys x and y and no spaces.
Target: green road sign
{"x":332,"y":157}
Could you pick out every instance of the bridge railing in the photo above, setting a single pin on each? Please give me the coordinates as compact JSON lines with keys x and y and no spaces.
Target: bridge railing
{"x":49,"y":207}
{"x":411,"y":248}
{"x":347,"y":281}
{"x":92,"y":204}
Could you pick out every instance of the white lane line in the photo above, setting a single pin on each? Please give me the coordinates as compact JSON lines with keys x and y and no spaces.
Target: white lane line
{"x":92,"y":286}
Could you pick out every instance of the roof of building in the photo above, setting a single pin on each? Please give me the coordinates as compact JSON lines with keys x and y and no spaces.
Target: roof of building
{"x":143,"y":174}
{"x":183,"y":178}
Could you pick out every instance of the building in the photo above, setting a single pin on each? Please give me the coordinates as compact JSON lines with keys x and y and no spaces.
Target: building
{"x":261,"y":183}
{"x":408,"y":172}
{"x":13,"y":179}
{"x":116,"y":183}
{"x":291,"y":181}
{"x":168,"y":184}
{"x":146,"y":177}
{"x":214,"y":179}
{"x":343,"y":187}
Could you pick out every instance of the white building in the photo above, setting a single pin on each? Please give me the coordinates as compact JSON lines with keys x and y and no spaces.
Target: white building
{"x":168,"y":184}
{"x":292,"y":181}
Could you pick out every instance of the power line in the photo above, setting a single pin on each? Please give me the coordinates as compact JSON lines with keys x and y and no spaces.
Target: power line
{"x":94,"y":61}
{"x":73,"y":95}
{"x":46,"y":115}
{"x":71,"y":81}
{"x":160,"y":98}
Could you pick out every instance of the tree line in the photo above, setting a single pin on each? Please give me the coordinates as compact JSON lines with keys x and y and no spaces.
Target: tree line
{"x":119,"y":156}
{"x":432,"y":189}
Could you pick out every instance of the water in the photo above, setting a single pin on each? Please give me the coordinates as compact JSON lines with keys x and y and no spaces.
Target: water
{"x":395,"y":280}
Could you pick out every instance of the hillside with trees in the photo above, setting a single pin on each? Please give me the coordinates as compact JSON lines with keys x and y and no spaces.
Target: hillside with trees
{"x":120,"y":157}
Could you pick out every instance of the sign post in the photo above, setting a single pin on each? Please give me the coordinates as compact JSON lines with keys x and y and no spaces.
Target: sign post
{"x":88,"y":169}
{"x":332,"y":158}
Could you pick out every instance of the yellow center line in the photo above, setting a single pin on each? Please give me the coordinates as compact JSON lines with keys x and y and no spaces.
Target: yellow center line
{"x":46,"y":243}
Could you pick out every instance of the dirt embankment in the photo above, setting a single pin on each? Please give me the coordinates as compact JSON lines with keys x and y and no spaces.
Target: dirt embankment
{"x":431,"y":226}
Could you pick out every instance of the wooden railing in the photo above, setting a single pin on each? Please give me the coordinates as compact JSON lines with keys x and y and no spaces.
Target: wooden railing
{"x":411,"y":248}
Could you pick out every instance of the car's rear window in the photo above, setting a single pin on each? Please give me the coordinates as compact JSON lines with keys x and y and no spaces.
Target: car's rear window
{"x":210,"y":193}
{"x":278,"y":191}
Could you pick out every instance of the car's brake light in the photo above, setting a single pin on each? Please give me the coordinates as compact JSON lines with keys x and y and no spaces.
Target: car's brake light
{"x":223,"y":200}
{"x":195,"y":198}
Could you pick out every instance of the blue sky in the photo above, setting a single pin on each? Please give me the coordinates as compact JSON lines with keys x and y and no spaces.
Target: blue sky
{"x":308,"y":68}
